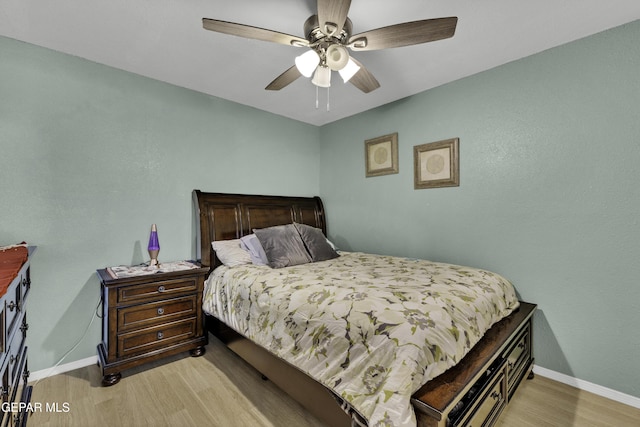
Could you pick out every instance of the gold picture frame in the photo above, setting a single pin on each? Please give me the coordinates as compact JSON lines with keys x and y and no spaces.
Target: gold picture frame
{"x":381,"y":155}
{"x":436,"y":164}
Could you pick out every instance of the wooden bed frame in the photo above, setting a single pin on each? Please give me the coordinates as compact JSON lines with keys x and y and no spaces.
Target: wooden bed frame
{"x":474,"y":392}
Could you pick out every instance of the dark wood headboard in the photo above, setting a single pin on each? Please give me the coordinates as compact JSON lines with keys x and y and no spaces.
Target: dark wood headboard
{"x":221,"y":216}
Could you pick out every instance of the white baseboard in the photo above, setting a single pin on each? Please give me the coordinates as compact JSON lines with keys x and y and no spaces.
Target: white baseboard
{"x":60,"y":369}
{"x":587,"y":386}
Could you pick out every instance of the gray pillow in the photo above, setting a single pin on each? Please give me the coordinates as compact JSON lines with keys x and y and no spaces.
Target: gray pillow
{"x":316,"y":243}
{"x":283,"y":246}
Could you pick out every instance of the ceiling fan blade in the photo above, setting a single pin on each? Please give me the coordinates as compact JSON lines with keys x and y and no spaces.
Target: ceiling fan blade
{"x":250,"y":32}
{"x":332,"y":15}
{"x":406,"y":34}
{"x":363,"y":79}
{"x":284,"y":79}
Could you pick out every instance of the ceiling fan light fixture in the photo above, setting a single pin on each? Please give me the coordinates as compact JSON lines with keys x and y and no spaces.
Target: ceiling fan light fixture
{"x":307,"y":62}
{"x":322,"y":76}
{"x":337,"y":57}
{"x":349,"y":70}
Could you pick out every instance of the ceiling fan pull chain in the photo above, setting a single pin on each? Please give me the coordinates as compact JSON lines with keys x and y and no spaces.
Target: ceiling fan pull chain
{"x":316,"y":97}
{"x":327,"y":99}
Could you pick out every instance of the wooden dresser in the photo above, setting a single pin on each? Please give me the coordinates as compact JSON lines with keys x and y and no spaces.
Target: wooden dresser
{"x":149,"y":317}
{"x":16,"y":394}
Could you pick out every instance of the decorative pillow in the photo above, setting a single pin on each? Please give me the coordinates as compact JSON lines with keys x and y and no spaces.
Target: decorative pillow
{"x":316,"y":243}
{"x":283,"y":246}
{"x":230,"y":253}
{"x":251,"y":244}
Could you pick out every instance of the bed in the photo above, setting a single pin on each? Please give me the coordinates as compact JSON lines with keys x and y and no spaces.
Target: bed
{"x":359,"y":351}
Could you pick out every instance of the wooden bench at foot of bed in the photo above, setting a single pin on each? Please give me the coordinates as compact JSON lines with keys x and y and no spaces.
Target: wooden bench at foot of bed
{"x":475,"y":391}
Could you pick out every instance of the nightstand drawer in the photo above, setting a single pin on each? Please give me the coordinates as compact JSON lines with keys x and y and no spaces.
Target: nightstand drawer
{"x":144,"y":315}
{"x":157,"y":289}
{"x":155,"y":338}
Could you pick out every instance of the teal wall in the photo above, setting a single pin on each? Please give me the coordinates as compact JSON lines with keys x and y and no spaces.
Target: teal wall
{"x":549,"y":193}
{"x":91,"y":156}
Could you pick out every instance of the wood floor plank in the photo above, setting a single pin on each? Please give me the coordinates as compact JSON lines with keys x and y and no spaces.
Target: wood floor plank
{"x":220,"y":390}
{"x":542,"y":402}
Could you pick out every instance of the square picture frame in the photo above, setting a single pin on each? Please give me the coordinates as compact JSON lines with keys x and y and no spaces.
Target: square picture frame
{"x":436,"y":164}
{"x":381,"y":155}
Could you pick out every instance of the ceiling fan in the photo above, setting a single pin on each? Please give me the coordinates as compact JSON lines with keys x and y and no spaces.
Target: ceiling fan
{"x":329,"y":35}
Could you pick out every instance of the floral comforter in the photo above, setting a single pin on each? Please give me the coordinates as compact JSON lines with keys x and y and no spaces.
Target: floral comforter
{"x":371,"y":328}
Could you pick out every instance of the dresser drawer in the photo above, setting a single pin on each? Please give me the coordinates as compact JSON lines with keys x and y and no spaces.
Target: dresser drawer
{"x":20,"y":420}
{"x":157,"y":289}
{"x":517,"y":357}
{"x":25,"y":285}
{"x":156,"y":338}
{"x":488,"y":406}
{"x":18,"y":394}
{"x":13,"y":308}
{"x":149,"y":314}
{"x":17,"y":352}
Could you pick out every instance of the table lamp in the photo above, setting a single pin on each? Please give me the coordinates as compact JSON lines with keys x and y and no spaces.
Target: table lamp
{"x":154,"y":247}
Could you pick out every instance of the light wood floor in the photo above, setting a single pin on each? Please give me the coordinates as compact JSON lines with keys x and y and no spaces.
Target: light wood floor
{"x":211,"y":390}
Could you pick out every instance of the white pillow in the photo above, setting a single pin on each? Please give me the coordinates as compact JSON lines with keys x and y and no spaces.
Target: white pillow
{"x":251,"y":244}
{"x":230,"y":253}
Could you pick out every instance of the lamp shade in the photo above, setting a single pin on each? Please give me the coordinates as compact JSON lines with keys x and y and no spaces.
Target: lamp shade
{"x":307,"y":62}
{"x":322,"y":77}
{"x":349,"y":70}
{"x":154,"y":246}
{"x":337,"y":57}
{"x":154,"y":243}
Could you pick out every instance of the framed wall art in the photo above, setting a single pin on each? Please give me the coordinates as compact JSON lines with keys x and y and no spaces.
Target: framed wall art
{"x":381,"y":155}
{"x":436,"y":164}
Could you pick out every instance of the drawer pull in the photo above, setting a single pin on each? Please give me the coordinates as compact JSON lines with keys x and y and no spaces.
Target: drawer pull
{"x":495,"y":395}
{"x":24,"y":328}
{"x":12,"y":359}
{"x":26,"y":282}
{"x":160,"y":311}
{"x":160,"y":335}
{"x":12,"y":305}
{"x":161,"y":288}
{"x":522,"y":345}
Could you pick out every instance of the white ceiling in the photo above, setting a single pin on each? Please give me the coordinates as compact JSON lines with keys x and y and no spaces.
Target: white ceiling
{"x":164,"y":40}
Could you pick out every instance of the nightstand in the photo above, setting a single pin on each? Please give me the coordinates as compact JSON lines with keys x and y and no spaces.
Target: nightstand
{"x":149,"y":316}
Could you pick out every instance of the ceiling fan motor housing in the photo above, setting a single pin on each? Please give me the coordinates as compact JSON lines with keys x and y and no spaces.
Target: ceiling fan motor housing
{"x":314,"y":34}
{"x":331,"y":49}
